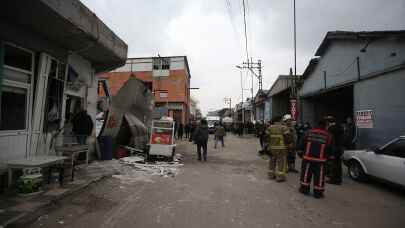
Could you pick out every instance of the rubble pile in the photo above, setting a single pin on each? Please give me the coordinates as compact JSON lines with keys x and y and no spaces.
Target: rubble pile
{"x":164,"y":169}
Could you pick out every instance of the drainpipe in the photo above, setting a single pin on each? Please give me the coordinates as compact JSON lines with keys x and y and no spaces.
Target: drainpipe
{"x":324,"y":79}
{"x":358,"y":68}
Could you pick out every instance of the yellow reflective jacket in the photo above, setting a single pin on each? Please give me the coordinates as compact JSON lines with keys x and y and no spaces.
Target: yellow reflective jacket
{"x":278,"y":134}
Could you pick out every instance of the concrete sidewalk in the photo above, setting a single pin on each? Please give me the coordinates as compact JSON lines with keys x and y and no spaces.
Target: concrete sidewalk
{"x":15,"y":208}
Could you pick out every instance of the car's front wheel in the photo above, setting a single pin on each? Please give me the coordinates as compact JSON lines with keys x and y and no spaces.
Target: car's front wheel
{"x":356,"y":171}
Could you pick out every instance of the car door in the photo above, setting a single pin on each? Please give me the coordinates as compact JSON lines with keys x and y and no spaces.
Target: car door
{"x":389,"y":162}
{"x":393,"y":166}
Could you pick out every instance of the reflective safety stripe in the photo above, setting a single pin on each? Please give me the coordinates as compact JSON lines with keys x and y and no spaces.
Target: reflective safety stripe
{"x":307,"y":150}
{"x":278,"y":147}
{"x":277,"y":141}
{"x":314,"y":159}
{"x":305,"y":184}
{"x":319,"y":188}
{"x":321,"y":176}
{"x":322,"y":154}
{"x":306,"y":173}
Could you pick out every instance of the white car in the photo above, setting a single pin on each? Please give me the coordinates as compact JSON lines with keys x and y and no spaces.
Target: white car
{"x":386,"y":162}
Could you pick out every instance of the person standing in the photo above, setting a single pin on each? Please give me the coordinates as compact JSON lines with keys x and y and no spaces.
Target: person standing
{"x":292,"y":146}
{"x":335,"y":161}
{"x":279,"y":138}
{"x":200,"y":137}
{"x":240,"y":129}
{"x":314,"y":152}
{"x":192,"y":130}
{"x":180,"y":131}
{"x":219,"y":135}
{"x":261,"y":133}
{"x":176,"y":128}
{"x":350,"y":134}
{"x":82,"y":126}
{"x":187,"y":130}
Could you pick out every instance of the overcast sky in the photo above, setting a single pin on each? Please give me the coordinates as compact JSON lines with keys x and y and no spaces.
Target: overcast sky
{"x":210,"y":34}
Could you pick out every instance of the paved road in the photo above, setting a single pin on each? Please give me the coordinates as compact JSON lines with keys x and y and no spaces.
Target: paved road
{"x":230,"y":190}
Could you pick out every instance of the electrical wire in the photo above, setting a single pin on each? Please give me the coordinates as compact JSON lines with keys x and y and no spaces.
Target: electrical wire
{"x":343,"y":71}
{"x":232,"y":19}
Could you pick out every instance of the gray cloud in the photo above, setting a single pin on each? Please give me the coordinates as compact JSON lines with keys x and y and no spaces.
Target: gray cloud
{"x":202,"y":30}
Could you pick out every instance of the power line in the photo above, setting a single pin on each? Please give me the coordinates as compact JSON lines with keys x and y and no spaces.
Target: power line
{"x":345,"y":70}
{"x":232,"y":19}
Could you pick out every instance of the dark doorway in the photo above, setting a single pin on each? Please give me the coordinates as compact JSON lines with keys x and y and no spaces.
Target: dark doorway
{"x":338,"y":102}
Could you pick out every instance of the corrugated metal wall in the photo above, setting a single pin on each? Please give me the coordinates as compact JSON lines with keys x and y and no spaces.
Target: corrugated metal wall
{"x":385,"y":95}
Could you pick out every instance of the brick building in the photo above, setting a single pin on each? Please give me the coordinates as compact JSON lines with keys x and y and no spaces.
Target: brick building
{"x":167,"y":77}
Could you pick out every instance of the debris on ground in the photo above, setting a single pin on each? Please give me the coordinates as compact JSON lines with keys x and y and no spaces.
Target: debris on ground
{"x":135,"y":168}
{"x":165,"y":169}
{"x":132,"y":159}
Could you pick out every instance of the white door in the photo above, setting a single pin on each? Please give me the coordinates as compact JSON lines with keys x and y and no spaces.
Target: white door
{"x":16,"y":69}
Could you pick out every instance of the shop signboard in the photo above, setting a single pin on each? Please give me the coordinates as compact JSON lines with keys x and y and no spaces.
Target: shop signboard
{"x":364,"y":119}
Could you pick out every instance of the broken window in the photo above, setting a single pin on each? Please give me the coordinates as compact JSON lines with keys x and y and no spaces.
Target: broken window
{"x":13,"y":108}
{"x":54,"y":98}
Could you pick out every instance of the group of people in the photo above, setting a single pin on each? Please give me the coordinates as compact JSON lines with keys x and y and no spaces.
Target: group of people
{"x":200,"y":137}
{"x":320,"y":148}
{"x":184,"y":131}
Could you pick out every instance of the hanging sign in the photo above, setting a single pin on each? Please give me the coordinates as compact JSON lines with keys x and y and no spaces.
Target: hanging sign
{"x":294,"y":109}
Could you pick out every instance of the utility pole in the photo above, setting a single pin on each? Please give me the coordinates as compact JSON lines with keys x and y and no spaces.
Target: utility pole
{"x":295,"y":54}
{"x":254,"y":66}
{"x":241,"y":86}
{"x":294,"y":89}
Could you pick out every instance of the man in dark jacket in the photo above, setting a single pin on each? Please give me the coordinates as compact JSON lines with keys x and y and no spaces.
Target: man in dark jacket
{"x":180,"y":131}
{"x":187,"y":130}
{"x":200,"y":138}
{"x":350,"y":134}
{"x":192,"y":130}
{"x":82,"y":126}
{"x":334,"y":164}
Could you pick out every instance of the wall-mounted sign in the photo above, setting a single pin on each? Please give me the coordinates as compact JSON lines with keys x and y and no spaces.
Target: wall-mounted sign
{"x":364,"y":119}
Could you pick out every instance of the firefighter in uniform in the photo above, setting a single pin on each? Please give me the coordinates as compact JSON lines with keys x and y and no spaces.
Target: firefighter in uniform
{"x":279,"y":138}
{"x":292,"y":146}
{"x":314,"y":156}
